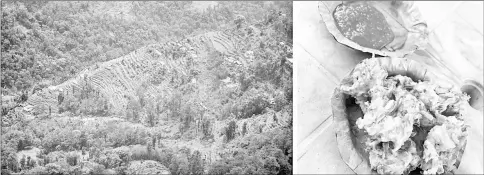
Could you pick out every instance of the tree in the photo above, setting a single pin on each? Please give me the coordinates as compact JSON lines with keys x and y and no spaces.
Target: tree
{"x":133,"y":108}
{"x":206,"y":129}
{"x":24,"y":97}
{"x":83,"y":140}
{"x":72,"y":159}
{"x":230,"y":130}
{"x":6,"y":172}
{"x":12,"y":163}
{"x":151,"y":113}
{"x":141,"y":95}
{"x":239,"y":21}
{"x":187,"y":117}
{"x":60,"y":98}
{"x":179,"y":165}
{"x":196,"y":164}
{"x":28,"y":163}
{"x":53,"y":168}
{"x":220,"y":167}
{"x":271,"y":165}
{"x":22,"y":162}
{"x":149,"y":145}
{"x":174,"y":104}
{"x":244,"y":128}
{"x":154,"y":141}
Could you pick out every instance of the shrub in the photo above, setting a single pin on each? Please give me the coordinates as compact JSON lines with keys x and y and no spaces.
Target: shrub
{"x":109,"y":160}
{"x":72,"y":158}
{"x":5,"y":110}
{"x":124,"y":153}
{"x":179,"y":165}
{"x":125,"y":133}
{"x":220,"y":167}
{"x":37,"y":170}
{"x":253,"y":102}
{"x":140,"y":152}
{"x":11,"y":161}
{"x":165,"y":156}
{"x":146,"y":167}
{"x":8,"y":172}
{"x":53,"y":168}
{"x":18,"y":139}
{"x":92,"y":168}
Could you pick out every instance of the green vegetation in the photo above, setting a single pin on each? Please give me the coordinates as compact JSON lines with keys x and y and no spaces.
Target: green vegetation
{"x":220,"y":108}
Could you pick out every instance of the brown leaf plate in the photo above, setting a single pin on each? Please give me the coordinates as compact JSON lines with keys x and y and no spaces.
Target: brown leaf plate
{"x":403,"y":18}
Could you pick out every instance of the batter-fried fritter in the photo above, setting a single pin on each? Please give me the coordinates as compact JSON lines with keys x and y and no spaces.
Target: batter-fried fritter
{"x":409,"y":124}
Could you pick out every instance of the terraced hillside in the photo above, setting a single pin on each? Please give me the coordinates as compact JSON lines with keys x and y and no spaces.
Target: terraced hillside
{"x":119,"y":79}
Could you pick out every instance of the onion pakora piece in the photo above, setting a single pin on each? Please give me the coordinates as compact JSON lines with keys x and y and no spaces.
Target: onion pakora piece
{"x":444,"y":145}
{"x":409,"y":124}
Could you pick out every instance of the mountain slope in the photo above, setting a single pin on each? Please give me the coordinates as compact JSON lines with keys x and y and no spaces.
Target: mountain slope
{"x":211,"y":103}
{"x":119,"y":79}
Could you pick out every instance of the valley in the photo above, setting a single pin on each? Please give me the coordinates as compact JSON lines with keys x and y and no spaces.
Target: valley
{"x":206,"y":102}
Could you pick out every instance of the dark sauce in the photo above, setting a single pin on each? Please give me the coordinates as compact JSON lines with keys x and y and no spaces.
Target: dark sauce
{"x":363,"y":24}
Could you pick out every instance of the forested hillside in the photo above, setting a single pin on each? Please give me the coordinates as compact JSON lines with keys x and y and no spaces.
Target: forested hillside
{"x":147,"y":87}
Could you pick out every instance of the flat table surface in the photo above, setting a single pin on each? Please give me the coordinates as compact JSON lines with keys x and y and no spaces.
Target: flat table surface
{"x":455,"y":52}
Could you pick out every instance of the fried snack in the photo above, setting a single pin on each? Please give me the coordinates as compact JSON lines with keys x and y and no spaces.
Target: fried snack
{"x":444,"y":145}
{"x":409,"y":124}
{"x":363,"y":24}
{"x":366,"y":75}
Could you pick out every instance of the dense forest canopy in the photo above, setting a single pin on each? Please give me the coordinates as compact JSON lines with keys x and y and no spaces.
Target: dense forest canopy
{"x":224,"y":108}
{"x":50,"y":42}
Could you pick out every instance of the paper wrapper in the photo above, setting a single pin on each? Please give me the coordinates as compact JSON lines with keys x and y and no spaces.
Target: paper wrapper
{"x":408,"y":16}
{"x":350,"y":149}
{"x":350,"y":143}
